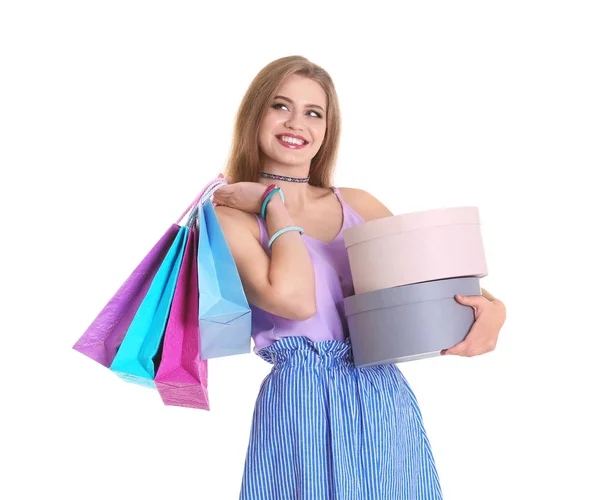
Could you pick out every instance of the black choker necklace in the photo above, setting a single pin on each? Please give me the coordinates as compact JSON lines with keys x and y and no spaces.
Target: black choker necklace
{"x":284,"y":178}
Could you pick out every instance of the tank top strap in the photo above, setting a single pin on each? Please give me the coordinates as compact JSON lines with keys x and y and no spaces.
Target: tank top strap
{"x":351,"y":216}
{"x":262,"y":231}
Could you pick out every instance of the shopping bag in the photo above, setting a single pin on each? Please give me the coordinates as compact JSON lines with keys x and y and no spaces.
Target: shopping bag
{"x":182,"y":378}
{"x":224,"y":315}
{"x":135,"y":359}
{"x":104,"y":336}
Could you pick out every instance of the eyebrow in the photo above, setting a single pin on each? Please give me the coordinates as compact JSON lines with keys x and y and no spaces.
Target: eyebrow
{"x":290,"y":101}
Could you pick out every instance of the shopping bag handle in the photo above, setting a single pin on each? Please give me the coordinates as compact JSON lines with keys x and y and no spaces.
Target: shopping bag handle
{"x":204,"y":195}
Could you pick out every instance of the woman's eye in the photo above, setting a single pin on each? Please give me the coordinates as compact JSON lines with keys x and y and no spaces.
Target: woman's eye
{"x":277,"y":106}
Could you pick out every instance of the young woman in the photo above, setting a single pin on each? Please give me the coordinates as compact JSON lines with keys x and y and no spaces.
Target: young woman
{"x":322,"y":428}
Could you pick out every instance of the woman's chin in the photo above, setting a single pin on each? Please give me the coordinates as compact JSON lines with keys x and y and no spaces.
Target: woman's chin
{"x":297,"y":158}
{"x":289,"y":161}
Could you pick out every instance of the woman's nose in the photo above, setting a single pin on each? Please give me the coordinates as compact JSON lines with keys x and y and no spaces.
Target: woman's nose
{"x":295,"y":121}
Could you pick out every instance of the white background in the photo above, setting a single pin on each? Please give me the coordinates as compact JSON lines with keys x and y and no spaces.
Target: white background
{"x":114,"y":114}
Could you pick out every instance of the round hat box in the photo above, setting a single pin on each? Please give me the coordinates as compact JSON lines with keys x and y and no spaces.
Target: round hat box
{"x":409,"y":322}
{"x":415,"y":247}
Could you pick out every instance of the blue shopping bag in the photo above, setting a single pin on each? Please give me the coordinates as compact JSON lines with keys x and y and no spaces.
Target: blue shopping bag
{"x":134,"y":361}
{"x":224,"y":313}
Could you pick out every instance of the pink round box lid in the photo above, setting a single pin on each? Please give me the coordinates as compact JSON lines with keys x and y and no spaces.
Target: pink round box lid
{"x":380,"y":228}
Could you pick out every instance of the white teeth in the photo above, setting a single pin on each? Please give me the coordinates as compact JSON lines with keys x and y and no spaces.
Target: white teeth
{"x":292,"y":140}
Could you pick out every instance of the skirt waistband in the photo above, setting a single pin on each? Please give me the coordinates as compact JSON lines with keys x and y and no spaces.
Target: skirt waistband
{"x":301,"y":350}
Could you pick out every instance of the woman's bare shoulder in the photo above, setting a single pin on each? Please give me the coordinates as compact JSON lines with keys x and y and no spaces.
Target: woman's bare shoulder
{"x":365,"y":204}
{"x":234,"y":218}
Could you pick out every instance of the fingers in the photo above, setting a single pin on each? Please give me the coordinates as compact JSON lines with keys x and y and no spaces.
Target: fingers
{"x":225,"y":189}
{"x":224,"y":195}
{"x":471,"y":300}
{"x":459,"y":349}
{"x":483,"y":334}
{"x":469,"y":349}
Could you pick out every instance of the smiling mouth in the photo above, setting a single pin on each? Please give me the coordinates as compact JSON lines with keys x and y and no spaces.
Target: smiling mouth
{"x":290,"y":142}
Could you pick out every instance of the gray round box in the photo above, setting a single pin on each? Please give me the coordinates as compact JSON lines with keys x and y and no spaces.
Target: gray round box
{"x":409,"y":322}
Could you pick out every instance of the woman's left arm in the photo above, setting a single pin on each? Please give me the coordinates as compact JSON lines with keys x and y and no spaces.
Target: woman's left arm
{"x":490,"y":312}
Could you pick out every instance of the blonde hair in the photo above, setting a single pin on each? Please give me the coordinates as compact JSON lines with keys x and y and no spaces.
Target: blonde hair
{"x":243,"y":163}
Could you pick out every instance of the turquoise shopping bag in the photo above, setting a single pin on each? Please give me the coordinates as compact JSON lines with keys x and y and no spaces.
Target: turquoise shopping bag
{"x":135,"y":359}
{"x":224,"y":315}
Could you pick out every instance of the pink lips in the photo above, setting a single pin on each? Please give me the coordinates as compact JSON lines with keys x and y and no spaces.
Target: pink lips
{"x":291,"y":146}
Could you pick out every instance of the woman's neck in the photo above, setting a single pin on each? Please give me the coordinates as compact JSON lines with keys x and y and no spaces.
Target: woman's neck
{"x":297,"y":194}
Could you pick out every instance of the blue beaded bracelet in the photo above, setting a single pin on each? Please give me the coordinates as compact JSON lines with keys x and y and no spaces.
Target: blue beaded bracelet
{"x":284,"y":230}
{"x":263,"y":209}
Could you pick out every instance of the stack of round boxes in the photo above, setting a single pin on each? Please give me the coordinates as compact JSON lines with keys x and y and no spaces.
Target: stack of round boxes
{"x":406,"y":270}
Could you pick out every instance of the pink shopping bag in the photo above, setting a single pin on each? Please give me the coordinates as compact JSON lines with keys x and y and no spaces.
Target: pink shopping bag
{"x":182,"y":377}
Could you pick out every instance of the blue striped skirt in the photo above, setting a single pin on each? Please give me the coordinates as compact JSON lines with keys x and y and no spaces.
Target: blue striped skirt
{"x":323,"y":429}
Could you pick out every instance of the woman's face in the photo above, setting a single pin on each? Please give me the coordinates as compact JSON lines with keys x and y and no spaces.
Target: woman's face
{"x":296,"y":114}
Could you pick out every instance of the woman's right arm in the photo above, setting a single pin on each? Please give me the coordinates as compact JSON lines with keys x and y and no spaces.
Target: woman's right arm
{"x":284,"y":284}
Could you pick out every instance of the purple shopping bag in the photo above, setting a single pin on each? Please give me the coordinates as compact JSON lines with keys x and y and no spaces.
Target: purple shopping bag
{"x":104,"y":336}
{"x":182,"y":377}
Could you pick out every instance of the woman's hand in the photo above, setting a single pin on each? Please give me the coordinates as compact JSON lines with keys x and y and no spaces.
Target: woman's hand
{"x":490,"y":314}
{"x":245,"y":196}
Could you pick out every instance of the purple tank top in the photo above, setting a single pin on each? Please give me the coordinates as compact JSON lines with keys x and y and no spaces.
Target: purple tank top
{"x":333,"y":282}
